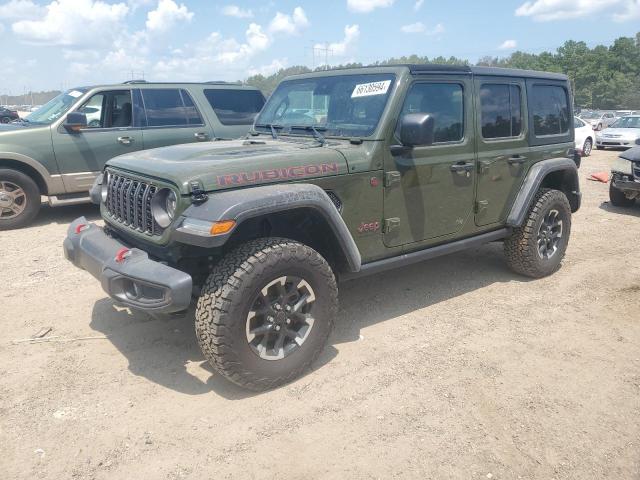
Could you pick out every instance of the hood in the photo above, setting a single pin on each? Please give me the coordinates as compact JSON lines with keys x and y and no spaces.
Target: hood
{"x":620,"y":133}
{"x":237,"y":163}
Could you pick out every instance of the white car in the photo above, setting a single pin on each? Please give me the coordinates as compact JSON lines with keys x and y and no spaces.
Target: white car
{"x":598,"y":120}
{"x":623,"y":133}
{"x":584,"y":136}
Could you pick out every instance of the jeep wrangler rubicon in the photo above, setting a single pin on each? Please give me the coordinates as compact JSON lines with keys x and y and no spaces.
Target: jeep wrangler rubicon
{"x":345,"y":173}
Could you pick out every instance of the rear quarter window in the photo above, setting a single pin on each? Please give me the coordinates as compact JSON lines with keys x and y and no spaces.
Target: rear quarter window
{"x":550,"y":107}
{"x":235,"y":107}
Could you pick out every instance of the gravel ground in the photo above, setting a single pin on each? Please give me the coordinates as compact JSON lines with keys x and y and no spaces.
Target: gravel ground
{"x":454,"y":368}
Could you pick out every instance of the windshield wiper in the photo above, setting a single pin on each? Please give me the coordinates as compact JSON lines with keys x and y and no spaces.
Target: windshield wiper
{"x":316,"y":134}
{"x":272,"y":127}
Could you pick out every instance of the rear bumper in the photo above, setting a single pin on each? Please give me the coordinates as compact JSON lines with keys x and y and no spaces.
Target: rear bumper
{"x":133,"y":280}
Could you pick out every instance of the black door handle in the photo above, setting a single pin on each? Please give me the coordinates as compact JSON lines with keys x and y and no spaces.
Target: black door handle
{"x":517,"y":159}
{"x":461,"y":167}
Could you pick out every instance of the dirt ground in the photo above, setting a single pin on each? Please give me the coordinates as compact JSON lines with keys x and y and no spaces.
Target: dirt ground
{"x":454,"y":368}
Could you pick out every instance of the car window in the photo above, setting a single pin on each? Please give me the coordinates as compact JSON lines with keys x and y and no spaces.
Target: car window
{"x":444,"y":102}
{"x":108,"y":109}
{"x":169,"y":107}
{"x":235,"y":107}
{"x":579,"y":123}
{"x":550,"y":107}
{"x":501,"y":112}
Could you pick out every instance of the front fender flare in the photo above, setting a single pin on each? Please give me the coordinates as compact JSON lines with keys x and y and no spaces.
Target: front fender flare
{"x":246,"y":203}
{"x":536,"y":175}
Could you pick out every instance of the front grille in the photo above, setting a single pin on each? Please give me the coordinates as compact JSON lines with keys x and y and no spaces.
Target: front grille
{"x":636,"y":170}
{"x":129,"y":203}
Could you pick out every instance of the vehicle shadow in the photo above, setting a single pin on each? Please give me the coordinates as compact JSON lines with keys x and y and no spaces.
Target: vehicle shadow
{"x":633,"y":211}
{"x":166,"y":352}
{"x":65,"y":215}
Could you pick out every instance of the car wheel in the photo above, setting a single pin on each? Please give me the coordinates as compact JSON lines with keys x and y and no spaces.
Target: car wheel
{"x":587,"y":147}
{"x":19,"y":199}
{"x":537,"y":247}
{"x":618,"y":198}
{"x":5,"y":120}
{"x":266,"y":311}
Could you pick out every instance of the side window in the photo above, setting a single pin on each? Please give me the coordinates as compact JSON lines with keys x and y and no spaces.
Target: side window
{"x":501,"y":111}
{"x":235,"y":107}
{"x":550,"y":108}
{"x":444,"y":102}
{"x":169,"y":107}
{"x":108,"y":110}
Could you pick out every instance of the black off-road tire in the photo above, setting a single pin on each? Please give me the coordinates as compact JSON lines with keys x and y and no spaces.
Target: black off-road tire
{"x":618,"y":198}
{"x":227,"y":297}
{"x":33,"y":202}
{"x":521,"y":247}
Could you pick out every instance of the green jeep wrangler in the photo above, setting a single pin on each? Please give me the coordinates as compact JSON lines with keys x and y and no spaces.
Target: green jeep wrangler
{"x":346,"y":173}
{"x":59,"y":149}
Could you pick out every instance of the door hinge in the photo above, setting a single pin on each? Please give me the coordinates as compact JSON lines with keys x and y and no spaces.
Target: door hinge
{"x":391,"y":178}
{"x":481,"y":205}
{"x":390,"y":224}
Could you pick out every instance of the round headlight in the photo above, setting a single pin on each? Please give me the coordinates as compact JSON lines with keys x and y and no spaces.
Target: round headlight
{"x":171,"y":203}
{"x":163,"y":206}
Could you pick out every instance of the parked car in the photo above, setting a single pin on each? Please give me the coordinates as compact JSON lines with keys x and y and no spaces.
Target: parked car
{"x":7,"y":115}
{"x":59,"y":149}
{"x":624,"y":188}
{"x":598,"y":120}
{"x":583,"y":136}
{"x":345,"y":173}
{"x":623,"y":133}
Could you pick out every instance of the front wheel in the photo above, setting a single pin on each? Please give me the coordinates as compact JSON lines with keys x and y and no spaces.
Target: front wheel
{"x":19,"y":199}
{"x":537,"y":247}
{"x":266,"y":311}
{"x":618,"y":198}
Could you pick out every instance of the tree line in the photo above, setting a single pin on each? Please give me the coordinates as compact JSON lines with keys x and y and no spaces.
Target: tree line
{"x":602,"y":77}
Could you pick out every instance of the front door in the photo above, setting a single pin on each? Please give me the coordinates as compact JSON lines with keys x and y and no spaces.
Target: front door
{"x":109,"y":133}
{"x":429,"y":190}
{"x":503,"y":149}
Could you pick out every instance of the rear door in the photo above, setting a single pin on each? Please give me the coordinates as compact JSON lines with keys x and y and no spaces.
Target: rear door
{"x":429,"y":190}
{"x":110,"y":132}
{"x":503,"y":148}
{"x":170,"y":117}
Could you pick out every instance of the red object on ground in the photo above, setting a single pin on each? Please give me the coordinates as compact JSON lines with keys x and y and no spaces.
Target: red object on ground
{"x":600,"y":177}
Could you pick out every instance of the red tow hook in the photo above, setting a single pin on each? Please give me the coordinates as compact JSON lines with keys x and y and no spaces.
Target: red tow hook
{"x":122,"y":255}
{"x":81,"y":228}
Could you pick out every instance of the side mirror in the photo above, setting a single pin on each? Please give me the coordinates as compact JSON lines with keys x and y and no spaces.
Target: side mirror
{"x":417,"y":129}
{"x":75,"y":122}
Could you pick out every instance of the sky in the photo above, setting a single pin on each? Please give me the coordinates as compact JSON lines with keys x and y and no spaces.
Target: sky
{"x":58,"y":44}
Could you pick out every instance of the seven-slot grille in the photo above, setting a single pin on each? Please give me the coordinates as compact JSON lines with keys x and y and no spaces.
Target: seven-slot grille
{"x":129,"y":202}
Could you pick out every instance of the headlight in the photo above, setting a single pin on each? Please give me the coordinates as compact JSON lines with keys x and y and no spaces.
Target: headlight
{"x":99,"y":189}
{"x":163,"y":206}
{"x":621,"y":165}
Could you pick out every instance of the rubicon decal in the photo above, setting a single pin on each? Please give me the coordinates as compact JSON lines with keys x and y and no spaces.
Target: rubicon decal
{"x":302,"y":171}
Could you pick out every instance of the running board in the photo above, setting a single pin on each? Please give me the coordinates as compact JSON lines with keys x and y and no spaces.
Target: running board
{"x":422,"y":255}
{"x":55,"y":201}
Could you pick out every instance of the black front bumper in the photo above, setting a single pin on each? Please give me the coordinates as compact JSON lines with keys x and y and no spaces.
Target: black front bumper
{"x":626,"y":185}
{"x":132,"y":279}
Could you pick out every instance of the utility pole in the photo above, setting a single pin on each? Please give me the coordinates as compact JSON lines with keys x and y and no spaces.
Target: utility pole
{"x":327,"y":52}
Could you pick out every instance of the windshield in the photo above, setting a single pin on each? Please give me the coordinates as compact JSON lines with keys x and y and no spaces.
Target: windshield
{"x":342,"y":106}
{"x":55,"y":108}
{"x":591,"y":115}
{"x":627,"y":122}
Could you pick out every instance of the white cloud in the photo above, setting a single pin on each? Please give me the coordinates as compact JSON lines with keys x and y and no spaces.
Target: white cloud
{"x":269,"y":69}
{"x":166,"y":15}
{"x":20,"y":10}
{"x":508,"y":45}
{"x":340,"y":49}
{"x":366,"y":6}
{"x":235,"y":11}
{"x":289,"y":24}
{"x":418,"y":5}
{"x":73,"y":23}
{"x":550,"y":10}
{"x":417,"y":27}
{"x":420,"y":27}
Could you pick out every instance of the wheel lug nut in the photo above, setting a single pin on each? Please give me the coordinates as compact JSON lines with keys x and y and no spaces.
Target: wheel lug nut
{"x":270,"y":319}
{"x":288,"y":321}
{"x":277,"y":328}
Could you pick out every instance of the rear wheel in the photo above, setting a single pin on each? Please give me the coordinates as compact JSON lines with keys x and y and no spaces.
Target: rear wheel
{"x":587,"y":147}
{"x":618,"y":198}
{"x":266,"y":311}
{"x":19,"y":199}
{"x":536,"y":248}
